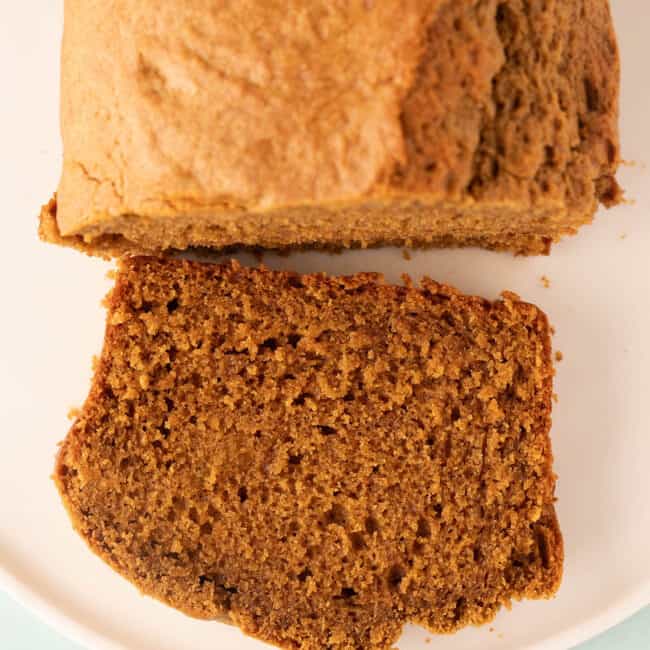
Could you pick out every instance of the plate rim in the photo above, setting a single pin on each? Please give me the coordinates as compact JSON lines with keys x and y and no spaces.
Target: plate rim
{"x":29,"y":597}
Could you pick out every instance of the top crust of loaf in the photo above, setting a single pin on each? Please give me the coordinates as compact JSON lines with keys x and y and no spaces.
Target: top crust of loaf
{"x":199,"y":108}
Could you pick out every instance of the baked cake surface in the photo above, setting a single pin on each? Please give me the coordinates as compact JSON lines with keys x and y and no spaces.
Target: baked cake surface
{"x":203,"y":123}
{"x":318,"y":460}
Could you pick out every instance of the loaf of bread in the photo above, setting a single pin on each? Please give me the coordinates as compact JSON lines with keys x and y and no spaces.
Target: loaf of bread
{"x":445,"y":122}
{"x":318,"y":460}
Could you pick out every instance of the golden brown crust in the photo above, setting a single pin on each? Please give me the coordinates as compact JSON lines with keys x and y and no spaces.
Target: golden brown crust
{"x":495,"y":124}
{"x":400,"y":225}
{"x":320,"y":459}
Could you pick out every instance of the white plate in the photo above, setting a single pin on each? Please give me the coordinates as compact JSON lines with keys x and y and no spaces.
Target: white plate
{"x":51,"y":324}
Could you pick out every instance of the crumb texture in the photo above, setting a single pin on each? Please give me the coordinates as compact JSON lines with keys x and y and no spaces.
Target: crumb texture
{"x":478,"y":121}
{"x":318,"y":460}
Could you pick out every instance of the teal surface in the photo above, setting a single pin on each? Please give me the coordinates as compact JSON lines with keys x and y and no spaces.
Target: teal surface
{"x":21,"y":630}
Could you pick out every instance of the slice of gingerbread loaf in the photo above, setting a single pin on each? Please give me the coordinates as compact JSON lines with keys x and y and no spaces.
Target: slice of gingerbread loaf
{"x":319,"y":460}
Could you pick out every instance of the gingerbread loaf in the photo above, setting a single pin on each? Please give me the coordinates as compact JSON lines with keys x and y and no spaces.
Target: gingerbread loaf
{"x":318,"y":460}
{"x":445,"y":122}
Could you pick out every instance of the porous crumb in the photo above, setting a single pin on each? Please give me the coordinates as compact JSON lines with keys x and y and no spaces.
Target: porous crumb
{"x":406,"y":254}
{"x":559,"y":356}
{"x":318,"y":460}
{"x":546,"y":283}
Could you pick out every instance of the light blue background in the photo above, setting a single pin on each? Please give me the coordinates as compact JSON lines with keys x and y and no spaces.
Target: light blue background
{"x":21,"y":630}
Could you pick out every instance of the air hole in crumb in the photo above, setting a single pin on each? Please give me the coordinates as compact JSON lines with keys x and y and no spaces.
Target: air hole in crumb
{"x":171,"y":516}
{"x":194,"y":515}
{"x":372,"y":525}
{"x":478,"y":556}
{"x":437,"y":509}
{"x":295,"y":282}
{"x":212,"y":512}
{"x":348,"y":397}
{"x":304,"y":574}
{"x":300,"y":400}
{"x":424,"y":530}
{"x":357,"y":541}
{"x":591,"y":95}
{"x":172,"y":305}
{"x":326,"y":430}
{"x":269,"y":344}
{"x":459,"y":610}
{"x":242,"y":493}
{"x":169,"y":404}
{"x":542,"y":544}
{"x":124,"y":464}
{"x":448,"y":318}
{"x":258,"y":434}
{"x":455,"y":414}
{"x":156,"y":444}
{"x":501,"y":13}
{"x":336,"y":515}
{"x":294,"y":459}
{"x":348,"y":592}
{"x":294,"y":339}
{"x":395,"y":576}
{"x":204,"y":579}
{"x":206,"y":528}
